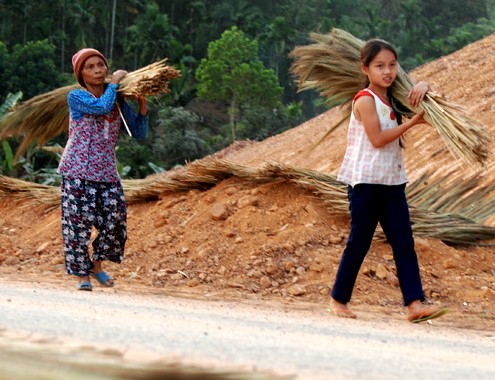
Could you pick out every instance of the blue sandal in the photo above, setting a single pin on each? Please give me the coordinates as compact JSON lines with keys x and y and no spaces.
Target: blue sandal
{"x":103,"y":278}
{"x":85,"y":285}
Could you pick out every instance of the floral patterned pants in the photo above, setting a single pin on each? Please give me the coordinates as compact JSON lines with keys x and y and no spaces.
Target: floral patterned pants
{"x":86,"y":204}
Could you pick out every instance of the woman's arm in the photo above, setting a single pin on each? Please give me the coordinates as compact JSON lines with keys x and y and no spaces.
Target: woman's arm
{"x":143,"y":105}
{"x":138,"y":124}
{"x":82,"y":102}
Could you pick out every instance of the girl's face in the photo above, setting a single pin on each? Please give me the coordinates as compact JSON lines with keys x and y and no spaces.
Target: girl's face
{"x":382,"y":70}
{"x":94,"y":71}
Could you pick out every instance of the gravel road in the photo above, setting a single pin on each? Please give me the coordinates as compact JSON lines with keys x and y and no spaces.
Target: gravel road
{"x":306,"y":344}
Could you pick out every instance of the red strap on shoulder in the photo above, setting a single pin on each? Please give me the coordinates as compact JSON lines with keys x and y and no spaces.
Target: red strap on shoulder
{"x":364,"y":92}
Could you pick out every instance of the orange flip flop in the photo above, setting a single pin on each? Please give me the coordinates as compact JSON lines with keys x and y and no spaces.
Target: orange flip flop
{"x":428,"y":314}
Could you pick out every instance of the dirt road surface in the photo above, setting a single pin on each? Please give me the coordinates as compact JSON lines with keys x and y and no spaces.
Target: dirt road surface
{"x":269,"y":339}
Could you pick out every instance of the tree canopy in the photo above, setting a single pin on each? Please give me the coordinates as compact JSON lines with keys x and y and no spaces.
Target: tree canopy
{"x":233,"y":72}
{"x":233,"y":55}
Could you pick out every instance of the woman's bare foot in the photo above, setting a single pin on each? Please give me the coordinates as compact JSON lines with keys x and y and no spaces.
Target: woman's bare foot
{"x":96,"y":267}
{"x":417,"y":312}
{"x":340,"y":309}
{"x":102,"y":277}
{"x":84,"y":284}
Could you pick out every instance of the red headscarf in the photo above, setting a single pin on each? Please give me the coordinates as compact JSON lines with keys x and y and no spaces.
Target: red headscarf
{"x":80,"y":57}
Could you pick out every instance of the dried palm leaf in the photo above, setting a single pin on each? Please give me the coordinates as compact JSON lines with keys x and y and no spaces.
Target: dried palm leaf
{"x":39,"y":119}
{"x":331,"y":65}
{"x":32,"y":193}
{"x":46,"y":116}
{"x":451,"y":190}
{"x":452,"y":228}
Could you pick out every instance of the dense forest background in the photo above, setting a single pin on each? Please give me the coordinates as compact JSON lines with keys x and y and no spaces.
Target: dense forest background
{"x":233,"y":56}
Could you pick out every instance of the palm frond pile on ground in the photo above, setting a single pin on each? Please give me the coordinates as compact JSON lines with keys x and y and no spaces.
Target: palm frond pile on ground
{"x":451,"y":190}
{"x":46,"y":116}
{"x":29,"y":192}
{"x":452,"y":227}
{"x":331,"y":65}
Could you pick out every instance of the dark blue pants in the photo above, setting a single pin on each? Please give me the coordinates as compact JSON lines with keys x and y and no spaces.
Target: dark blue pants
{"x":368,"y":205}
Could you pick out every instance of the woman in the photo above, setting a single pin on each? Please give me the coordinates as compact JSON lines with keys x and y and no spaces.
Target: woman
{"x":92,"y":193}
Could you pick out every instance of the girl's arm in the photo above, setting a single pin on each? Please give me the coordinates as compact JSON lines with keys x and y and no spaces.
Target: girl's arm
{"x":365,"y":110}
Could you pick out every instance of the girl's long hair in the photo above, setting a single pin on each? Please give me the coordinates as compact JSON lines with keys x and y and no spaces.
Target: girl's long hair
{"x":368,"y":52}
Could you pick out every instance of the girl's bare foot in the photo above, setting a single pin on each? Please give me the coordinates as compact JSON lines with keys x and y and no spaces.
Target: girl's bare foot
{"x":340,"y":309}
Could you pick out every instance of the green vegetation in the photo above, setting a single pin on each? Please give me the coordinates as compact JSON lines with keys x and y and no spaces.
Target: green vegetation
{"x":233,"y":56}
{"x":233,"y":73}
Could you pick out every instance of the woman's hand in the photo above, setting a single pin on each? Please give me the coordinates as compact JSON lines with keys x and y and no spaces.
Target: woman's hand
{"x":418,"y":93}
{"x":143,"y":105}
{"x":117,"y":76}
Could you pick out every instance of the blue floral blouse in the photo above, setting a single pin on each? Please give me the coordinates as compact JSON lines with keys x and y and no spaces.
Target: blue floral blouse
{"x":94,"y":126}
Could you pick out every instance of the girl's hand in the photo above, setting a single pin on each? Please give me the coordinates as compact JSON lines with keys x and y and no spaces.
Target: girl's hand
{"x":117,"y":76}
{"x":418,"y":118}
{"x":417,"y":93}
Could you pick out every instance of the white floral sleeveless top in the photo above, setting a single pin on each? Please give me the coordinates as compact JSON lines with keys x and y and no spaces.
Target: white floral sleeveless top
{"x":363,"y":163}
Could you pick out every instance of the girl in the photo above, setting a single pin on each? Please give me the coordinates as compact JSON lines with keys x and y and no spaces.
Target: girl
{"x":92,"y":193}
{"x":373,"y":168}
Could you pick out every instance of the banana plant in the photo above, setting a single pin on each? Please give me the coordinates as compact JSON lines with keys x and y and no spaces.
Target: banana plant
{"x":8,"y":104}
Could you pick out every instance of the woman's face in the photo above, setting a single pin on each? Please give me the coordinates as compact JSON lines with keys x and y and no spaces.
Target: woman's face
{"x":94,"y":71}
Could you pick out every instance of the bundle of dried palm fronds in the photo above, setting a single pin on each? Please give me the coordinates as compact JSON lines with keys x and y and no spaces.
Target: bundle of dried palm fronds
{"x":39,"y":119}
{"x":46,"y":116}
{"x":331,"y":65}
{"x":150,"y":80}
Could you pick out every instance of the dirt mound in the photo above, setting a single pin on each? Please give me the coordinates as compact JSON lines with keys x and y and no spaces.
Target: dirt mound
{"x":274,"y":240}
